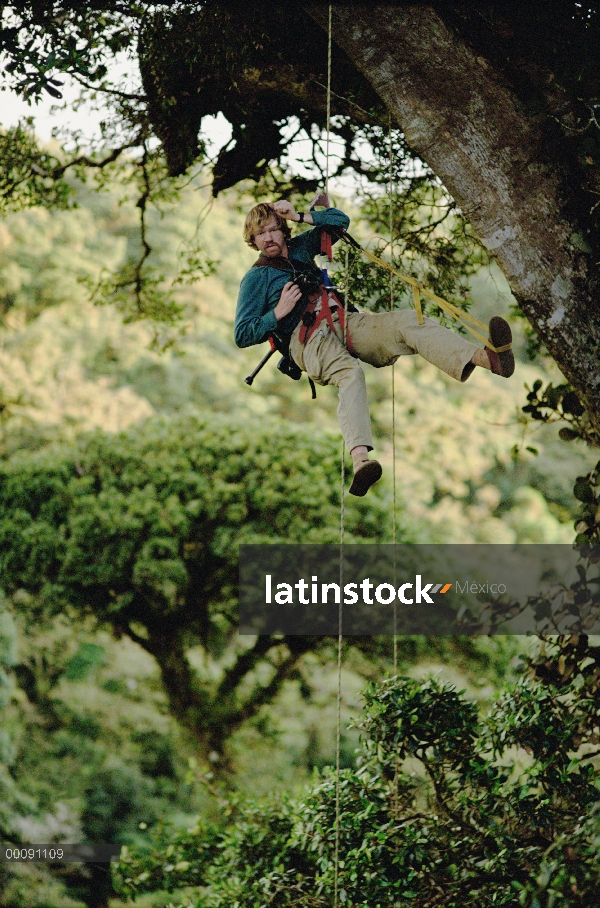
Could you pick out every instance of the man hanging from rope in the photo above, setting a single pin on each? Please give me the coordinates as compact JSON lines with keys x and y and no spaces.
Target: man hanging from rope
{"x":272,"y":303}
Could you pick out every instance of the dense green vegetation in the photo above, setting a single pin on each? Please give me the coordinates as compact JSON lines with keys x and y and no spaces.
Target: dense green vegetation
{"x":443,"y":807}
{"x":129,"y":474}
{"x":133,"y":461}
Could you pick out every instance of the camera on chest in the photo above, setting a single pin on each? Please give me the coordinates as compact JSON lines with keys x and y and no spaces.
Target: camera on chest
{"x":307,"y":281}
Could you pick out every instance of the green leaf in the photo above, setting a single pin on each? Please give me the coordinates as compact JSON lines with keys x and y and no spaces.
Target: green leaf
{"x":86,"y":660}
{"x":567,"y":434}
{"x":583,"y":490}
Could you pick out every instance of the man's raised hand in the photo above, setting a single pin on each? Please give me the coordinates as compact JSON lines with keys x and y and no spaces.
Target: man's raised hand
{"x":285,"y":210}
{"x":290,"y":295}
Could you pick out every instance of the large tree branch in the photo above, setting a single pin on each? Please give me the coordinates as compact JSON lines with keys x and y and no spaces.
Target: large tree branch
{"x":237,"y":60}
{"x":261,"y":694}
{"x":245,"y":664}
{"x":460,"y":116}
{"x":86,"y":161}
{"x":213,"y":716}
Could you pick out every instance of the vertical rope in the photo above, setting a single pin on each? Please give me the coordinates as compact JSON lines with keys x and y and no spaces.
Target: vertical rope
{"x":338,"y":733}
{"x":328,"y":102}
{"x":391,"y":224}
{"x":395,"y":800}
{"x":328,"y":119}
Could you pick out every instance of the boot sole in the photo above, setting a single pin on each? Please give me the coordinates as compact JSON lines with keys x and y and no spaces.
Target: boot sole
{"x":500,"y":334}
{"x":365,"y":477}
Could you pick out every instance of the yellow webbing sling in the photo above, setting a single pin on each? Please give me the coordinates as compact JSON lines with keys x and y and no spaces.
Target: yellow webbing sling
{"x":418,"y":289}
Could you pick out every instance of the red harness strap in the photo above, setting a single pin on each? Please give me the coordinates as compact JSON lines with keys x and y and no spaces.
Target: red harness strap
{"x":326,"y":245}
{"x":307,"y":331}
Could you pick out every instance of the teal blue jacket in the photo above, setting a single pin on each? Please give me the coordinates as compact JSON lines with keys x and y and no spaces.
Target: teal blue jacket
{"x":261,"y":287}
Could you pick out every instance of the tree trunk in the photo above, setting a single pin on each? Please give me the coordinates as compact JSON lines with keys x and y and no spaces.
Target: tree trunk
{"x":213,"y":715}
{"x":461,"y":117}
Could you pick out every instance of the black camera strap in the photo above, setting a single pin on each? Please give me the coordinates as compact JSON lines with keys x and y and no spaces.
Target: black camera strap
{"x":281,"y":342}
{"x":308,"y":281}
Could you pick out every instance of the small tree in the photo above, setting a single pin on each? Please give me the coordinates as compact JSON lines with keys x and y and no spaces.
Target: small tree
{"x":142,"y":532}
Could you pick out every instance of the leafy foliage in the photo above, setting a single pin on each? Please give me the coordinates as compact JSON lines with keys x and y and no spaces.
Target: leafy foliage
{"x":40,"y":41}
{"x":574,"y":608}
{"x":432,"y":242}
{"x":142,"y":532}
{"x":93,"y":251}
{"x":445,"y":808}
{"x":88,"y":751}
{"x":12,"y":798}
{"x":587,"y":490}
{"x":28,"y":175}
{"x":561,"y":403}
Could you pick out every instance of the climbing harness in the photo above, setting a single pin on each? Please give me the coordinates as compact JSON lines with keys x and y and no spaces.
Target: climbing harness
{"x":313,"y":292}
{"x":313,"y":317}
{"x":313,"y":307}
{"x":472,"y":324}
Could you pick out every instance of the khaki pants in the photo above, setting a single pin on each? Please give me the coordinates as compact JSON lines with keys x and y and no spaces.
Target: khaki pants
{"x":379,"y":339}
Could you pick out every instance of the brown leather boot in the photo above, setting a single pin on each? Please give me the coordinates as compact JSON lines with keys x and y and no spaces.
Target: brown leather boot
{"x":364,"y":477}
{"x":500,"y":335}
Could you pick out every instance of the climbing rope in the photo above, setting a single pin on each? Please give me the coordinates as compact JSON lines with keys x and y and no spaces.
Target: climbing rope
{"x":391,"y":215}
{"x":395,"y":805}
{"x":329,"y":31}
{"x":338,"y":731}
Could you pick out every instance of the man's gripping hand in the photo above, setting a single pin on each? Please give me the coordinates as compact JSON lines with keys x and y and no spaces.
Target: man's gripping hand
{"x":290,"y":295}
{"x":286,"y":210}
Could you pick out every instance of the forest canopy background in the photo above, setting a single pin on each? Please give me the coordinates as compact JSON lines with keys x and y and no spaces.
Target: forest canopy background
{"x":114,"y":415}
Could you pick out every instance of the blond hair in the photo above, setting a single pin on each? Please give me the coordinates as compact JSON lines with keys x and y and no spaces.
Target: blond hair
{"x":259,"y":216}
